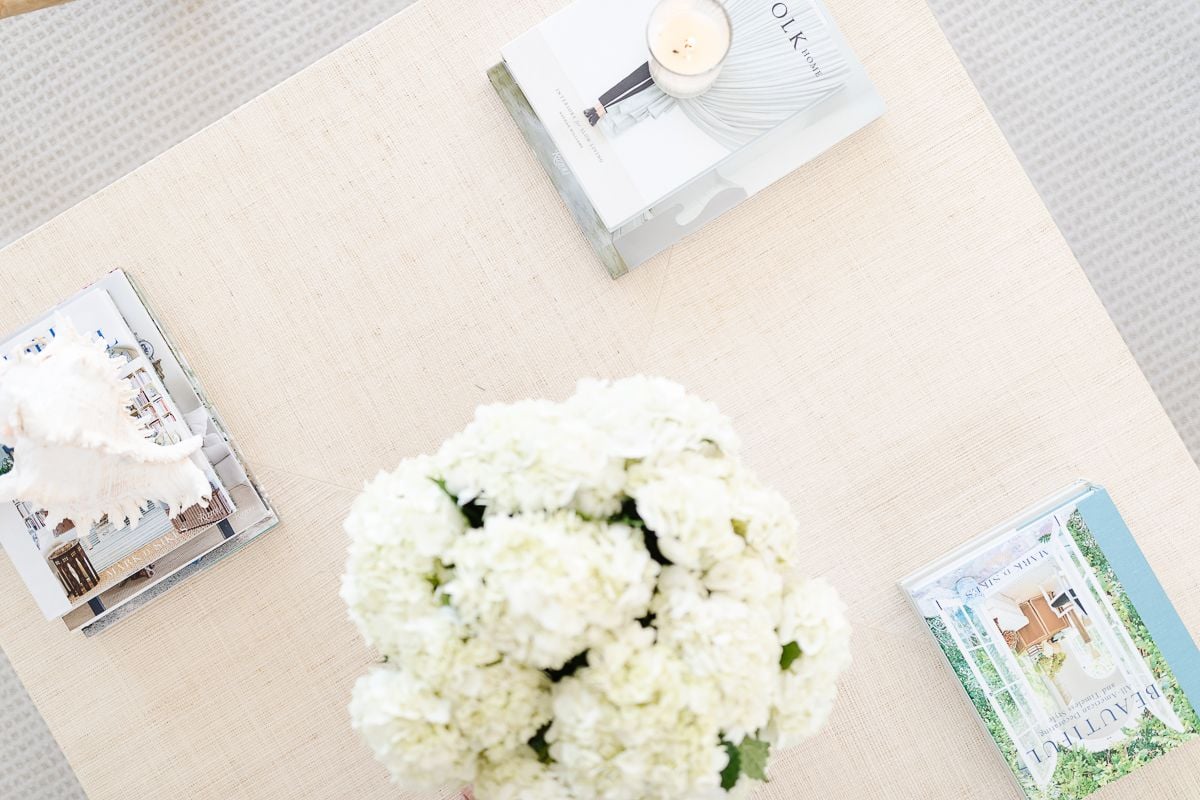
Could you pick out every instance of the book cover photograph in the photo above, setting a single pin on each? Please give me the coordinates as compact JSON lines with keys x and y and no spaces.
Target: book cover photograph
{"x":94,"y":574}
{"x":1066,"y":645}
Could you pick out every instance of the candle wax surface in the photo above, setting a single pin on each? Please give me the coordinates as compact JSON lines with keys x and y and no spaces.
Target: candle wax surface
{"x":688,"y":41}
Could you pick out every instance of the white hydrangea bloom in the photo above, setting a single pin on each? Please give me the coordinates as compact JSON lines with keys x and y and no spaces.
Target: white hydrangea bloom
{"x":543,"y":588}
{"x":691,"y":513}
{"x":646,"y":417}
{"x":531,"y":456}
{"x":497,"y":703}
{"x":805,"y":704}
{"x":748,"y":578}
{"x":521,"y":777}
{"x":815,"y":618}
{"x":764,"y":517}
{"x":728,"y":647}
{"x":471,"y":619}
{"x":409,"y":728}
{"x":706,"y":461}
{"x":398,"y":527}
{"x":623,"y":729}
{"x":455,"y":693}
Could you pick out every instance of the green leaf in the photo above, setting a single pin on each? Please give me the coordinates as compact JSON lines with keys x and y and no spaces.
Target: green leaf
{"x":729,"y":775}
{"x":541,"y":746}
{"x":441,"y":484}
{"x":791,"y":651}
{"x":755,"y":755}
{"x":577,"y":662}
{"x":472,"y":510}
{"x":650,"y":538}
{"x":628,"y":515}
{"x":474,"y":513}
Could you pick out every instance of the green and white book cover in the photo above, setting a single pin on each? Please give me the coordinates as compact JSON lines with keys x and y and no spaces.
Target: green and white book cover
{"x":1066,"y":644}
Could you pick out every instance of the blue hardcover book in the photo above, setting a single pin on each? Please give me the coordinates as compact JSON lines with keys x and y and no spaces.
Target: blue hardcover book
{"x":1069,"y":650}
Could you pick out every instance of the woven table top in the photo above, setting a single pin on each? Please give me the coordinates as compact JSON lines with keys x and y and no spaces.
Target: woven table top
{"x":355,"y":260}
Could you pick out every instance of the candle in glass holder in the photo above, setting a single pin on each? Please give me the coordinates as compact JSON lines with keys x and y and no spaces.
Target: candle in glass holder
{"x":689,"y":40}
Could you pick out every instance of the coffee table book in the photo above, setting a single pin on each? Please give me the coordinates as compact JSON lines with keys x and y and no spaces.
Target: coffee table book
{"x":1068,"y":649}
{"x":93,"y":579}
{"x":651,"y":170}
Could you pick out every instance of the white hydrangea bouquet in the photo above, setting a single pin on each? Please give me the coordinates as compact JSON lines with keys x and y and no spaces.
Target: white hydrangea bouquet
{"x":587,"y":600}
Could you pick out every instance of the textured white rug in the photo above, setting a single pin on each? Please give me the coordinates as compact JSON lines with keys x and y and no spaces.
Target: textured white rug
{"x":31,"y":765}
{"x":94,"y":89}
{"x":1099,"y":98}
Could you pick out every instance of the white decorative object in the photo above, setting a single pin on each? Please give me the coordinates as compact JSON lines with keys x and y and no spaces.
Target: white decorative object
{"x":688,"y":41}
{"x":78,"y":453}
{"x":587,"y":600}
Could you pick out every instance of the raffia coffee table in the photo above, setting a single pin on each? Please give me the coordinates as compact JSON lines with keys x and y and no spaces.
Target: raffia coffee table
{"x":358,"y":258}
{"x":10,"y":8}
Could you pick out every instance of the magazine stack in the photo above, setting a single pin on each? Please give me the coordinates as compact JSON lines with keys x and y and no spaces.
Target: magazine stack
{"x":92,"y":578}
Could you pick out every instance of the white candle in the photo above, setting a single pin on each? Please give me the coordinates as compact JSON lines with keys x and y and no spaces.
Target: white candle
{"x":689,"y":40}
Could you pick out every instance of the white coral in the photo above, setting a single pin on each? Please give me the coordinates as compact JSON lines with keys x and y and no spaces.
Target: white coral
{"x":78,"y":452}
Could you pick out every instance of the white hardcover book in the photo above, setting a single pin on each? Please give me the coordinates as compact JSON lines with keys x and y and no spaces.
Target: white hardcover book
{"x":653,"y":170}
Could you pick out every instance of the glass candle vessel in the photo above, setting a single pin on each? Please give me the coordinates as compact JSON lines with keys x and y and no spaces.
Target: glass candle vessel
{"x":689,"y":41}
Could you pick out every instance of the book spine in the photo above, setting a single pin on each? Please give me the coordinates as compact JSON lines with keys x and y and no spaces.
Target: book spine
{"x":594,"y":230}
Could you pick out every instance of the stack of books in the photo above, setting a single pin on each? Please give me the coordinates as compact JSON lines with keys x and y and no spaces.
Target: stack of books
{"x":90,"y":579}
{"x":640,"y":170}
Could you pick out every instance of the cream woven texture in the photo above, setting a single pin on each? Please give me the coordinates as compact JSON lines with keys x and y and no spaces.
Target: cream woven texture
{"x":355,"y":260}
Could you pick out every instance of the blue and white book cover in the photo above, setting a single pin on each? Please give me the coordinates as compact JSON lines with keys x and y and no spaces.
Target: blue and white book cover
{"x":1066,"y":644}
